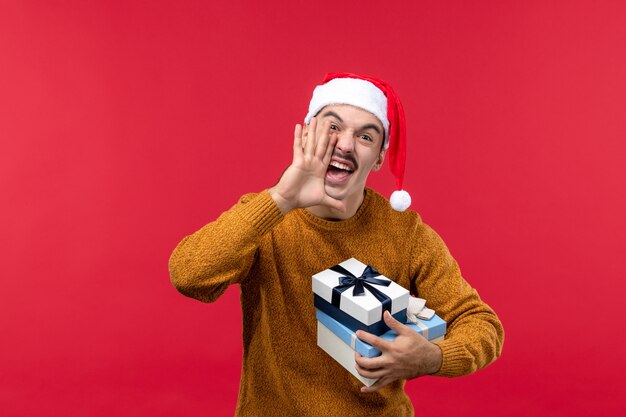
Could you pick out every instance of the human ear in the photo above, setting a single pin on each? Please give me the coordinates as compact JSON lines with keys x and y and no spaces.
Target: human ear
{"x":380,"y":160}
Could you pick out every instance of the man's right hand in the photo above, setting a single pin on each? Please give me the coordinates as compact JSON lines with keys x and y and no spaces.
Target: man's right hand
{"x":302,"y":184}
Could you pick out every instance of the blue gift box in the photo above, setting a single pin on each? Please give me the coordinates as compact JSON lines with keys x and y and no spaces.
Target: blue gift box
{"x":431,"y":329}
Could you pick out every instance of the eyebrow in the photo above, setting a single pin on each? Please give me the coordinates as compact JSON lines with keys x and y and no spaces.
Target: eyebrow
{"x":367,"y":126}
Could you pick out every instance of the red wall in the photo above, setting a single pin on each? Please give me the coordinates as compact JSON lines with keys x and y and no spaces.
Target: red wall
{"x":126,"y":125}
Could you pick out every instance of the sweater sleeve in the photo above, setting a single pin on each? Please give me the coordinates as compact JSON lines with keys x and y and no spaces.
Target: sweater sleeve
{"x":475,"y":334}
{"x":205,"y":263}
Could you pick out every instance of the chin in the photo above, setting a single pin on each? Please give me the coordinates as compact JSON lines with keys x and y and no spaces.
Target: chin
{"x":336,"y":191}
{"x":335,"y":195}
{"x":343,"y":191}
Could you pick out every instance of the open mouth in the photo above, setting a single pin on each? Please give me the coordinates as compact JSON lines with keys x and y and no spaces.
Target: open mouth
{"x":338,"y":172}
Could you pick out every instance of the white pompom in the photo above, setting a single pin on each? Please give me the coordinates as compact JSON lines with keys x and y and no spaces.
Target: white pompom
{"x":400,"y":200}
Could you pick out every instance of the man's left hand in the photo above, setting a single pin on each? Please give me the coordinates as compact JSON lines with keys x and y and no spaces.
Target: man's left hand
{"x":410,"y":355}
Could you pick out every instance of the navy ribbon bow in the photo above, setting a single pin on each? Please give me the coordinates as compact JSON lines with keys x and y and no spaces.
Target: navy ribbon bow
{"x":348,"y":280}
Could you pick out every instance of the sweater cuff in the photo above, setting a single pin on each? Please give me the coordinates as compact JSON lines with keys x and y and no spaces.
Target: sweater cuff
{"x":261,"y":212}
{"x":454,"y":359}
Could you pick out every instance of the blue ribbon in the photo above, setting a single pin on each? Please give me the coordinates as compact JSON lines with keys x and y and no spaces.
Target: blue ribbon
{"x":348,"y":280}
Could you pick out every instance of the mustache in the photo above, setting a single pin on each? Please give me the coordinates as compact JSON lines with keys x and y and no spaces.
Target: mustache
{"x":346,"y":157}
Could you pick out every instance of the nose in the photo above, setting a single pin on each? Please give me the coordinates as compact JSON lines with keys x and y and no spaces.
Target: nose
{"x":345,"y":141}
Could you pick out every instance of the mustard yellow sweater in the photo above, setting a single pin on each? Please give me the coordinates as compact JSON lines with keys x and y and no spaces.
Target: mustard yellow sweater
{"x":273,"y":256}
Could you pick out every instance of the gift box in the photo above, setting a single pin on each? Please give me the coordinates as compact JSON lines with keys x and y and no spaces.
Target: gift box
{"x":431,"y":329}
{"x":356,"y":295}
{"x":341,"y":352}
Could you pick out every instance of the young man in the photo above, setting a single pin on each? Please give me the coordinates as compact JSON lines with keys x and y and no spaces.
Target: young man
{"x":319,"y":214}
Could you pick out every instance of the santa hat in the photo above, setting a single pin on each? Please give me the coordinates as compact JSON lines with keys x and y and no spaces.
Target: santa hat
{"x":377,"y":97}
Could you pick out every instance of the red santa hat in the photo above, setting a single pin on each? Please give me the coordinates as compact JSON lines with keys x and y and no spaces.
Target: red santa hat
{"x":377,"y":97}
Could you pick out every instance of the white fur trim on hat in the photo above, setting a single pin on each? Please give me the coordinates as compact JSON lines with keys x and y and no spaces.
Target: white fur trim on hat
{"x":355,"y":92}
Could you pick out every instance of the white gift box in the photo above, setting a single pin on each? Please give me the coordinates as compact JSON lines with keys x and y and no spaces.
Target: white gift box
{"x":359,"y":311}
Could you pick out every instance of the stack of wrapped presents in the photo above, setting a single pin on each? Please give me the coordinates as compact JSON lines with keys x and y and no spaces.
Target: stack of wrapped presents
{"x":352,"y":296}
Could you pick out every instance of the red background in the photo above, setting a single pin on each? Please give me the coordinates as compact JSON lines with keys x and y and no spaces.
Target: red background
{"x":127,"y":125}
